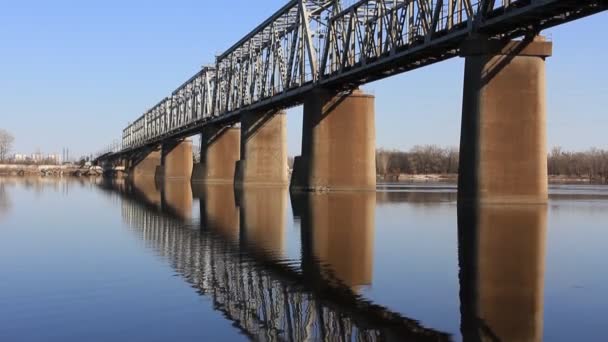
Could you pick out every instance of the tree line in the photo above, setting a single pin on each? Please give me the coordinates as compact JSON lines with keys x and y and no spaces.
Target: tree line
{"x":591,"y":164}
{"x":427,"y":159}
{"x":432,"y":159}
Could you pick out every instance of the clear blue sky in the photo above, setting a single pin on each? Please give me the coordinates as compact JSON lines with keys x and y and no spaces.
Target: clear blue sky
{"x":73,"y":73}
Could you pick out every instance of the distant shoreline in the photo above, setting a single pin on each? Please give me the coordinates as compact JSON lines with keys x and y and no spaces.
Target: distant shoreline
{"x":25,"y":170}
{"x":453,"y":178}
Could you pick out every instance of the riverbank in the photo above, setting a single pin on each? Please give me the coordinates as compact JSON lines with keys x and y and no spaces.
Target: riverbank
{"x":453,"y":178}
{"x":47,"y":170}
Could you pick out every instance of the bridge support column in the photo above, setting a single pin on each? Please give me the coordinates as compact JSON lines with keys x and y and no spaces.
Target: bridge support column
{"x":119,"y":168}
{"x":176,"y":162}
{"x":263,"y":150}
{"x":143,"y":165}
{"x":220,"y":150}
{"x":503,"y":154}
{"x":338,"y":143}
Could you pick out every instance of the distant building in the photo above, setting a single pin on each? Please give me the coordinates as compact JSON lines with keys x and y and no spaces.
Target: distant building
{"x":37,"y":157}
{"x":54,"y":158}
{"x":19,"y":157}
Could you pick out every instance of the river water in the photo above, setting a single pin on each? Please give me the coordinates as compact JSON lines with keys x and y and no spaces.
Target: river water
{"x":95,"y":260}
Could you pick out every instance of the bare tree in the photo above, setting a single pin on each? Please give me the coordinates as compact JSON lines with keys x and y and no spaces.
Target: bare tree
{"x":383,"y":158}
{"x":592,"y":164}
{"x":6,"y":144}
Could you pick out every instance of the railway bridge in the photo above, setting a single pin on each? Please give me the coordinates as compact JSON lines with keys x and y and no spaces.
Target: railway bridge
{"x":317,"y":53}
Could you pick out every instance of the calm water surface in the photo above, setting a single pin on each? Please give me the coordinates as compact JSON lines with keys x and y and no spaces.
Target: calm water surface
{"x":93,"y":260}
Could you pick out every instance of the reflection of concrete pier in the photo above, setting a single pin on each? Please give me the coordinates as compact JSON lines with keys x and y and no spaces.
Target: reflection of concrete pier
{"x":501,"y":253}
{"x":218,"y":209}
{"x":266,"y":299}
{"x":338,"y":232}
{"x":147,"y":188}
{"x":177,"y":198}
{"x":262,"y":212}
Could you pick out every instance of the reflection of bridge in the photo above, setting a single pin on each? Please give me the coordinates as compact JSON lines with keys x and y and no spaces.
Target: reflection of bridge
{"x":317,"y":52}
{"x":267,"y":299}
{"x":502,"y":266}
{"x":235,"y":256}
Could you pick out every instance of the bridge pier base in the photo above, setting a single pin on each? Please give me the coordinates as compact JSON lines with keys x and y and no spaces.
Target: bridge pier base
{"x":176,"y":161}
{"x":503,"y":153}
{"x":220,"y":151}
{"x":338,"y":143}
{"x":263,"y":150}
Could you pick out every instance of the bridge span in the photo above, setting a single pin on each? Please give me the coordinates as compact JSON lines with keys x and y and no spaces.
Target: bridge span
{"x":317,"y":53}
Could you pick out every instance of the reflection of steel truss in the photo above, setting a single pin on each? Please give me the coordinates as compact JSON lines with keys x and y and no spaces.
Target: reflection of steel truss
{"x":267,"y":300}
{"x":337,"y":44}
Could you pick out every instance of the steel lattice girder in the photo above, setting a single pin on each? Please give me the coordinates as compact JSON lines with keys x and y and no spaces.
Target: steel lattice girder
{"x":336,"y":44}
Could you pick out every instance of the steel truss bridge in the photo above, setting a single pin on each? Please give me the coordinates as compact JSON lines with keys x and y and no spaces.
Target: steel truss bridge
{"x":266,"y":299}
{"x":338,"y":45}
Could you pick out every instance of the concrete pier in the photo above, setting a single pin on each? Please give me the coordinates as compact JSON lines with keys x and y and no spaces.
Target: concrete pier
{"x":263,"y":159}
{"x":502,"y":266}
{"x":220,"y":151}
{"x":177,"y":161}
{"x":338,"y":143}
{"x":143,"y":165}
{"x":503,"y":154}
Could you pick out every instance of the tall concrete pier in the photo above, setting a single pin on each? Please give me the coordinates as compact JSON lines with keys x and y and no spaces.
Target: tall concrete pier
{"x":220,"y":151}
{"x":143,"y":165}
{"x":176,"y":161}
{"x":338,"y":143}
{"x":503,"y":154}
{"x":263,"y":150}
